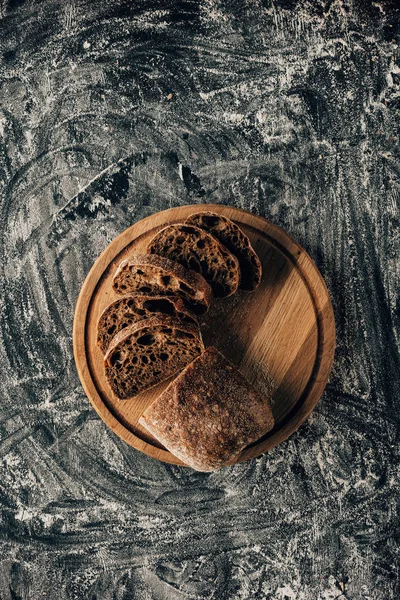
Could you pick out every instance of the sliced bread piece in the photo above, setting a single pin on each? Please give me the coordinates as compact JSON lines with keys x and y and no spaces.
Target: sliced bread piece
{"x":198,"y":250}
{"x":229,"y":234}
{"x":154,"y":275}
{"x":208,"y":414}
{"x":133,"y":308}
{"x":148,"y":352}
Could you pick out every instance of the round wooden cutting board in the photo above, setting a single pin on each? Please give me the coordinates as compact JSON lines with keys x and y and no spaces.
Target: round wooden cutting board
{"x":281,"y":337}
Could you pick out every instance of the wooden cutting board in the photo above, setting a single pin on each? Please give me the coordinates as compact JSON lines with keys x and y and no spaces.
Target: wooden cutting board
{"x":281,"y":337}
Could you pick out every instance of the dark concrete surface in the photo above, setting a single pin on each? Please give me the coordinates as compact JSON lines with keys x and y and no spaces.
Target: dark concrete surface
{"x":109,"y":112}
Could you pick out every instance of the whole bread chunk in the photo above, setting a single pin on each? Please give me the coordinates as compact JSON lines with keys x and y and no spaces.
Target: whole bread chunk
{"x":135,"y":307}
{"x":154,"y":275}
{"x":208,"y":414}
{"x":148,"y":352}
{"x":230,"y":234}
{"x":196,"y":249}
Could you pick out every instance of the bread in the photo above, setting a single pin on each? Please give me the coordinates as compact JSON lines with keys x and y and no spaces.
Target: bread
{"x":229,"y":234}
{"x":198,"y":250}
{"x":208,"y":414}
{"x":157,"y":276}
{"x":133,"y":308}
{"x":148,"y":352}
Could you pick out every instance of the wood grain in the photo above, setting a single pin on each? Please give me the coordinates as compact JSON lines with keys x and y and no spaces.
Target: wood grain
{"x":281,"y":337}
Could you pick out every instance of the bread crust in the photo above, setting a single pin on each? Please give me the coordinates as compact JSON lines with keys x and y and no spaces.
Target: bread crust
{"x":208,"y":414}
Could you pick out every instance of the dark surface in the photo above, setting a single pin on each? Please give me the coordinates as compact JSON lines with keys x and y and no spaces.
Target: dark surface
{"x":111,"y":111}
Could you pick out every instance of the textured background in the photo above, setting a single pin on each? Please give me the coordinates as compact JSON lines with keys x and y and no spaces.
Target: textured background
{"x":110,"y":111}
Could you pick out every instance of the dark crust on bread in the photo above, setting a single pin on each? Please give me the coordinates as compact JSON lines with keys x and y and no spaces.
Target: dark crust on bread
{"x":132,"y":308}
{"x":167,"y":344}
{"x":208,"y":414}
{"x":230,"y":234}
{"x":154,"y":275}
{"x":196,"y":249}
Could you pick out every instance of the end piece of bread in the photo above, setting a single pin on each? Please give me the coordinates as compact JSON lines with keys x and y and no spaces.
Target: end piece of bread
{"x":199,"y":251}
{"x":208,"y":414}
{"x":135,"y":307}
{"x":148,"y":352}
{"x":154,"y":275}
{"x":230,"y":234}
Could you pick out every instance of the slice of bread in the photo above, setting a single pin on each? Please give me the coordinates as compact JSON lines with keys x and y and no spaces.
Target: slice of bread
{"x":148,"y":352}
{"x":208,"y":414}
{"x":153,"y":275}
{"x":198,"y":250}
{"x":229,"y":234}
{"x":133,"y":308}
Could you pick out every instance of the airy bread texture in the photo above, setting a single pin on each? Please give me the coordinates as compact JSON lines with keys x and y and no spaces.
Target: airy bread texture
{"x":153,"y":275}
{"x":148,"y":352}
{"x":135,"y":307}
{"x":229,"y":234}
{"x":199,"y":251}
